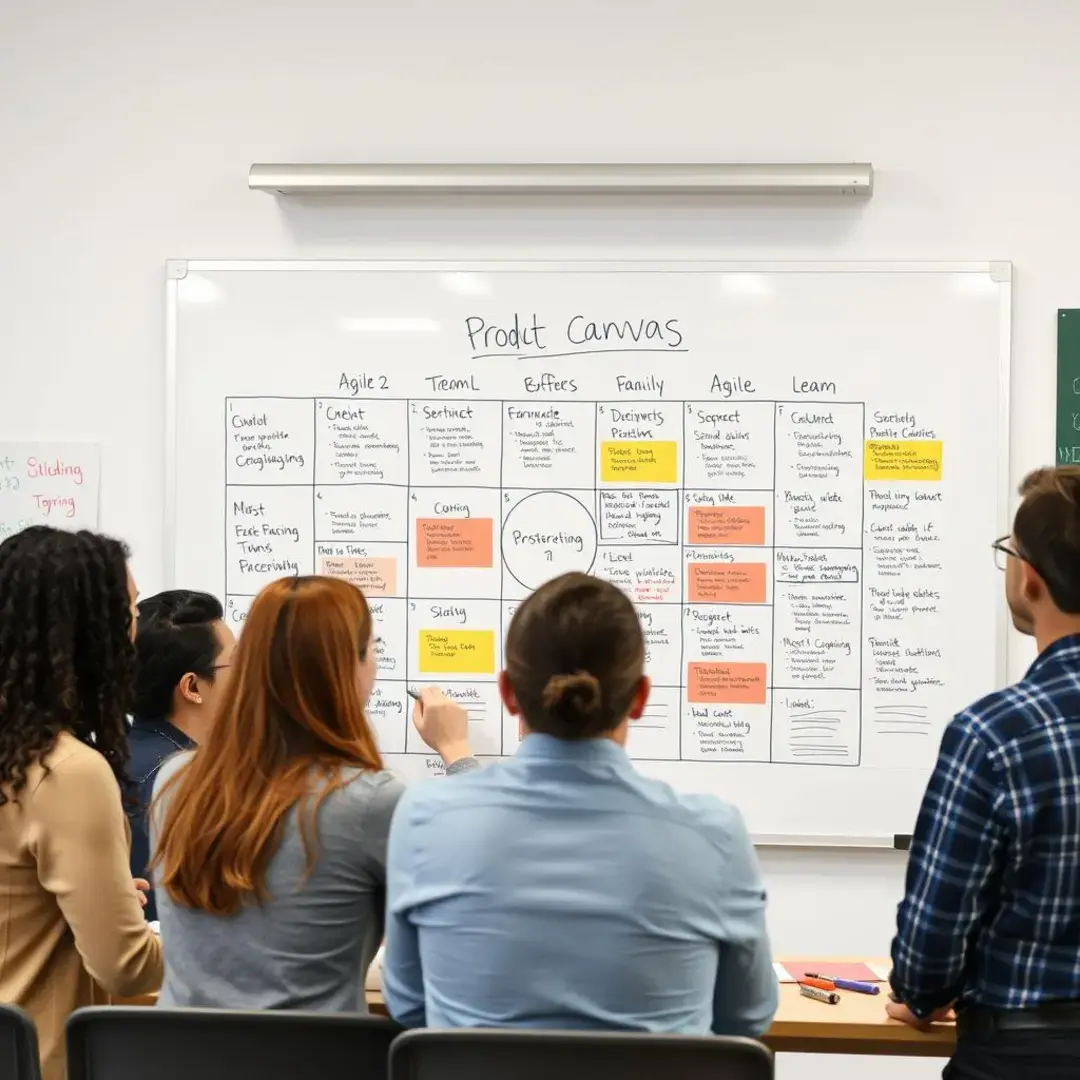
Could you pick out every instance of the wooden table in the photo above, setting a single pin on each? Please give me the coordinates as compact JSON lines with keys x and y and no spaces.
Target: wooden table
{"x":857,"y":1025}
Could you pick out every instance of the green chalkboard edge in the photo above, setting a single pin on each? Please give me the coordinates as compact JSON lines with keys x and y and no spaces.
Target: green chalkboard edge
{"x":1067,"y":411}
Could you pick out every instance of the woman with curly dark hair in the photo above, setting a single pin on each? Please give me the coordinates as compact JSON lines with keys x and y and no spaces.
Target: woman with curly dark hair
{"x":71,"y":925}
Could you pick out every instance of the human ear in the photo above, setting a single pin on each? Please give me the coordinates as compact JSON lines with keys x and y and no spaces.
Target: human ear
{"x":640,"y":698}
{"x":506,"y":692}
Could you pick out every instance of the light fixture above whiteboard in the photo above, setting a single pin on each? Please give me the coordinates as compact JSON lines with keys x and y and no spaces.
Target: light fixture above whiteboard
{"x":564,"y":179}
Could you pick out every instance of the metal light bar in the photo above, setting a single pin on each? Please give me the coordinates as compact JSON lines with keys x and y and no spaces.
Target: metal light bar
{"x":683,"y":179}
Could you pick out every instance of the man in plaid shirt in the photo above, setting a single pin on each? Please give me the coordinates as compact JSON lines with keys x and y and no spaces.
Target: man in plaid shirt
{"x":990,"y":923}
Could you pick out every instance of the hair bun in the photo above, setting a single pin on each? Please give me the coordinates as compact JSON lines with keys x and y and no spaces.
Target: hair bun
{"x":573,"y":695}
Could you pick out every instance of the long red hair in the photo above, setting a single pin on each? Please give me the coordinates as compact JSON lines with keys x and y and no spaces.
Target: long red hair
{"x":290,"y":718}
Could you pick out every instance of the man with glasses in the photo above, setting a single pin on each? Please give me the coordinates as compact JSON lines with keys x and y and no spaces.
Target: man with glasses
{"x":184,"y":649}
{"x":990,"y":923}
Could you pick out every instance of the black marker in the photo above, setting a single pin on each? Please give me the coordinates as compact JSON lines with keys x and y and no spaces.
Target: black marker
{"x":414,"y":694}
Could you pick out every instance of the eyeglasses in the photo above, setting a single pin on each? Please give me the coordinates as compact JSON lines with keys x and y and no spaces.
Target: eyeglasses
{"x":1004,"y":551}
{"x":1005,"y":548}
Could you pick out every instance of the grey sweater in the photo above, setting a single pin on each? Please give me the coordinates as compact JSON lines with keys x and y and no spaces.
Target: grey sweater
{"x":310,"y":945}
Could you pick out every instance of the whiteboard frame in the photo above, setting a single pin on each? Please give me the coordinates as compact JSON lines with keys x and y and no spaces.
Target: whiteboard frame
{"x":999,"y":271}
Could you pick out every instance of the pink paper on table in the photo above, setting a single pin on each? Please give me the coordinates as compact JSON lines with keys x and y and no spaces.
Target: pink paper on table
{"x":855,"y":972}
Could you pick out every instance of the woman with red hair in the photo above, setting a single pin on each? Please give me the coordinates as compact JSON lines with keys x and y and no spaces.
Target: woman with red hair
{"x":269,"y":840}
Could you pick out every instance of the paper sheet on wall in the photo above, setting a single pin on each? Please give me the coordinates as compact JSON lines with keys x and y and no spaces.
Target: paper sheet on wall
{"x":46,"y":483}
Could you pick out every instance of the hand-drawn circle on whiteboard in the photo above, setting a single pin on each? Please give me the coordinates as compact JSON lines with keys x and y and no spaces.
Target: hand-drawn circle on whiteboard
{"x":547,"y":534}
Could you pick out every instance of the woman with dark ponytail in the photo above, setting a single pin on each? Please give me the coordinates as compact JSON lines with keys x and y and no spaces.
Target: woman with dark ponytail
{"x":561,"y":889}
{"x":71,"y":925}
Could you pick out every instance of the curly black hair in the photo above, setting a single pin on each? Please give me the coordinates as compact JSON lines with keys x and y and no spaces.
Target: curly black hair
{"x":66,"y":657}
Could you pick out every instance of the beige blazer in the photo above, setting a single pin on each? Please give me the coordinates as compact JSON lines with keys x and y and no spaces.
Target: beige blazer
{"x":71,"y":928}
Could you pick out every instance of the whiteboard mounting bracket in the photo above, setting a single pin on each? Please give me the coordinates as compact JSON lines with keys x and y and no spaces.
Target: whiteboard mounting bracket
{"x":176,"y":269}
{"x":565,"y":179}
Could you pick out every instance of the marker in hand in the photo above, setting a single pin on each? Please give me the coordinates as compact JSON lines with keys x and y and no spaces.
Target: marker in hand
{"x":441,"y":722}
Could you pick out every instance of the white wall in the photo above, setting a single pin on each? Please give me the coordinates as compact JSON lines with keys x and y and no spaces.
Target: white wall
{"x":127,"y":126}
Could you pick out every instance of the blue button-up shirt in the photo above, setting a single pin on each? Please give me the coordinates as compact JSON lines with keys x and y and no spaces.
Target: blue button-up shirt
{"x":561,"y":889}
{"x":991,"y":914}
{"x":151,"y":743}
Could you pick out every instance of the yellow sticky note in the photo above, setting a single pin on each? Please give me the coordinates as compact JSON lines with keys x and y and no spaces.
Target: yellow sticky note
{"x":650,"y":461}
{"x":902,"y":459}
{"x":466,"y":652}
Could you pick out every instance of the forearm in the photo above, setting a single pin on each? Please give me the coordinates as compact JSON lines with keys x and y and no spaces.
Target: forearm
{"x":928,"y":968}
{"x":463,"y":764}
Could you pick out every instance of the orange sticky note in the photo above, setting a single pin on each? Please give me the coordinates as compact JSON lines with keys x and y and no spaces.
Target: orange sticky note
{"x":454,"y":542}
{"x":741,"y":684}
{"x":373,"y":577}
{"x":727,"y":525}
{"x":727,"y":583}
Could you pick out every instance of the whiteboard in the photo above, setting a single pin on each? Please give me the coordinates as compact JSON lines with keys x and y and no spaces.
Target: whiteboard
{"x":796,"y":472}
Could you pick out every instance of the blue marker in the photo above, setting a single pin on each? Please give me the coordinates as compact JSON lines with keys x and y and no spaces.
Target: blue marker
{"x":848,"y":984}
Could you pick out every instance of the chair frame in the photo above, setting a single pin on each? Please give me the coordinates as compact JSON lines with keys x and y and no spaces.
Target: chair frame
{"x":84,"y":1024}
{"x":25,"y":1040}
{"x":406,"y":1048}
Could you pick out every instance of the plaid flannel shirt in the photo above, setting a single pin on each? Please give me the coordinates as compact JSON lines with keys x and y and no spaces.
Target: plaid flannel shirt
{"x":991,"y":913}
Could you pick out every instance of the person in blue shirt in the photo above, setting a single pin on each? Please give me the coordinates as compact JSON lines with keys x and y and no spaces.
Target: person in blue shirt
{"x":990,"y":921}
{"x":184,"y":650}
{"x":561,"y":889}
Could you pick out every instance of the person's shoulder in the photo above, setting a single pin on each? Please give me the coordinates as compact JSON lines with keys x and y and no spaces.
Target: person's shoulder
{"x":142,"y":739}
{"x":709,"y":814}
{"x":170,"y":766}
{"x":148,"y":750}
{"x":362,"y":785}
{"x":70,"y":758}
{"x":363,"y":794}
{"x":1002,"y":718}
{"x":138,"y":734}
{"x":71,"y":772}
{"x":435,"y":795}
{"x":709,"y":817}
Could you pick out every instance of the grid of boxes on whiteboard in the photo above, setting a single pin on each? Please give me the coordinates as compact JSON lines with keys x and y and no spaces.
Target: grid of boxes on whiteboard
{"x":737,"y":529}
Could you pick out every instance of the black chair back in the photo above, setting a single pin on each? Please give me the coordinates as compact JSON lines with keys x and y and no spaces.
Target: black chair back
{"x":471,"y":1054}
{"x":18,"y":1045}
{"x":117,"y":1043}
